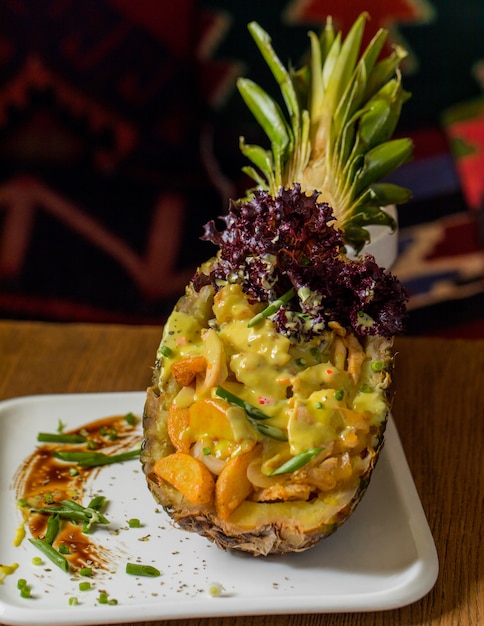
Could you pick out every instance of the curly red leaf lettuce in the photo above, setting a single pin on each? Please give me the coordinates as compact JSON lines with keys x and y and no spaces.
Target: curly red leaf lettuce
{"x":271,"y":244}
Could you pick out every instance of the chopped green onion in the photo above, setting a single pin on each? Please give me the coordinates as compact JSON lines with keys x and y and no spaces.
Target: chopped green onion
{"x":134,"y":523}
{"x":103,"y":598}
{"x":207,"y":451}
{"x":137,"y":569}
{"x":339,"y":394}
{"x":84,"y":586}
{"x":377,"y":366}
{"x":297,"y":461}
{"x":165,"y":351}
{"x":64,"y":548}
{"x":51,"y":553}
{"x":94,"y":459}
{"x":130,"y":418}
{"x":215,"y":589}
{"x":316,"y":354}
{"x":85,"y":571}
{"x":112,"y":601}
{"x":60,"y":426}
{"x":366,"y":388}
{"x":60,"y":438}
{"x":21,"y":583}
{"x":37,"y":561}
{"x":73,"y":601}
{"x":272,"y":308}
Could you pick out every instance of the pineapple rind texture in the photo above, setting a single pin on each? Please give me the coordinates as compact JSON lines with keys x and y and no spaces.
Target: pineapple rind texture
{"x":285,"y":515}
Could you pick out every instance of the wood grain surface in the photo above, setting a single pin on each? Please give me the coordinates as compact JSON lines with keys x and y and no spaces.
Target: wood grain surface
{"x":438,"y":409}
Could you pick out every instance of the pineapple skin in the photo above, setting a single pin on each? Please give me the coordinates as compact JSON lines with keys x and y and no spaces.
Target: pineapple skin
{"x":277,"y":535}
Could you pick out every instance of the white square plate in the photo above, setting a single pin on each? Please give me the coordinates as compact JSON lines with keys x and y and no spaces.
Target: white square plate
{"x":384,"y":557}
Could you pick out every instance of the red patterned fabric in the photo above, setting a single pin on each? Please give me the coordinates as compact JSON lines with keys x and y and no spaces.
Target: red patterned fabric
{"x":119,"y":127}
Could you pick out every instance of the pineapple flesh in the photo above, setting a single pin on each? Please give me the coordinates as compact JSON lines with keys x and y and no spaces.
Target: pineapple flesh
{"x":270,"y":390}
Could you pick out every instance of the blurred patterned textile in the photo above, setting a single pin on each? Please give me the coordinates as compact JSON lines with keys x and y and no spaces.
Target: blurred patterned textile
{"x":119,"y":130}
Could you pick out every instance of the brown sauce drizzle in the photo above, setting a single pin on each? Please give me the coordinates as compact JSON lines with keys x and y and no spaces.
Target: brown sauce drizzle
{"x":42,"y":480}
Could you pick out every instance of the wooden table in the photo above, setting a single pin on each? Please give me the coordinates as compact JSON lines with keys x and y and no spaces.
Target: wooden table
{"x":438,"y":409}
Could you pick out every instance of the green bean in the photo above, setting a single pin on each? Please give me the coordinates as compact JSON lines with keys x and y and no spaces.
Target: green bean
{"x":97,"y":503}
{"x":270,"y":431}
{"x":137,"y":569}
{"x":251,"y":410}
{"x":51,"y":553}
{"x":52,"y":529}
{"x":94,"y":459}
{"x":297,"y":461}
{"x":254,"y":415}
{"x":272,"y":308}
{"x":60,"y":438}
{"x":75,"y":512}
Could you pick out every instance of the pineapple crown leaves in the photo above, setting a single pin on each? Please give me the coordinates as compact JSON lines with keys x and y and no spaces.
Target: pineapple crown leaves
{"x":342,"y":109}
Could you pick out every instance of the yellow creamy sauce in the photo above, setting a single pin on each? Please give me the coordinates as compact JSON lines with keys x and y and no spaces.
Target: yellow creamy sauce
{"x":297,"y":384}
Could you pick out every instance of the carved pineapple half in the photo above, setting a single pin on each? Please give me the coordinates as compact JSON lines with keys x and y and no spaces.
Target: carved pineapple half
{"x":269,"y":400}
